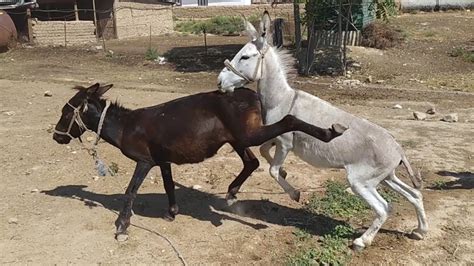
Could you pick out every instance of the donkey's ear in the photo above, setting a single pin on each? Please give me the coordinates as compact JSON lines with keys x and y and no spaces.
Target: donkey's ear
{"x":265,"y":25}
{"x":103,"y":89}
{"x":93,"y":89}
{"x":97,"y":91}
{"x":250,"y":29}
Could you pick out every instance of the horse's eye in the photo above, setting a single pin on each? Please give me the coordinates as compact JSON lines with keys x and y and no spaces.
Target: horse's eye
{"x":244,"y":57}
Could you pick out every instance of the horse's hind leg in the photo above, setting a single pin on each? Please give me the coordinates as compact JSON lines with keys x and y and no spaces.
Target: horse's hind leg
{"x":414,"y":197}
{"x":169,"y":188}
{"x":123,"y":221}
{"x":367,"y":190}
{"x":250,"y":164}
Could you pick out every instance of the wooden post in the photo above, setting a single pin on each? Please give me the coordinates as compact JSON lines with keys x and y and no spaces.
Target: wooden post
{"x":29,"y":24}
{"x":205,"y":40}
{"x":65,"y":38}
{"x":296,"y":14}
{"x":95,"y":21}
{"x":75,"y":11}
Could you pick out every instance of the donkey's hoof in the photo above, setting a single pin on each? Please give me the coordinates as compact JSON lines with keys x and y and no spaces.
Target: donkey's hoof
{"x":231,"y":201}
{"x":295,"y":195}
{"x":121,"y":237}
{"x":283,"y":173}
{"x":338,"y":128}
{"x":416,"y":235}
{"x":358,"y":245}
{"x":169,"y":217}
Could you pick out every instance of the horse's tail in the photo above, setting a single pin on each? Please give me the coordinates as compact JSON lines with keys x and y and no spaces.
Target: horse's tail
{"x":415,"y":178}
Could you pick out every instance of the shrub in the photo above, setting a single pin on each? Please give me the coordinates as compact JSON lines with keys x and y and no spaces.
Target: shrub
{"x":151,"y":54}
{"x":381,"y":36}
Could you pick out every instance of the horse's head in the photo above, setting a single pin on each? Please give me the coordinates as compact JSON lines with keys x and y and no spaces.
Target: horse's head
{"x":73,"y":120}
{"x":246,"y":66}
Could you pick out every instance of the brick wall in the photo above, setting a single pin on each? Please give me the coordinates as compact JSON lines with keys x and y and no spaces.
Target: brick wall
{"x":135,"y":19}
{"x":52,"y":32}
{"x":284,"y":11}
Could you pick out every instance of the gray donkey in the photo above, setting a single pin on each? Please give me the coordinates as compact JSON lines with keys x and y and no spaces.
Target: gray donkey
{"x":367,"y":151}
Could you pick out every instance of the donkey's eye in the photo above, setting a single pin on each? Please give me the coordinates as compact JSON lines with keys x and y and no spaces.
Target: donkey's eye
{"x":244,"y":57}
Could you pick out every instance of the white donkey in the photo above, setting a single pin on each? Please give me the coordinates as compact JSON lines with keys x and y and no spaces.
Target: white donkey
{"x":367,"y":151}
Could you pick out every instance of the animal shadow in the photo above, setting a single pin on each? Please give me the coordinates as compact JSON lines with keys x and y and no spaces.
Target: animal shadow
{"x":465,"y":180}
{"x":204,"y":207}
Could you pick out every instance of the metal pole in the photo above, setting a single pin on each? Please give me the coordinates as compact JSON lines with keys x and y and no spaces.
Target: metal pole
{"x":65,"y":38}
{"x":95,"y":21}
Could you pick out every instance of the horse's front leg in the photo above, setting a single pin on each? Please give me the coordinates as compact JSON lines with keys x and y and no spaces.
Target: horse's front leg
{"x":169,"y":188}
{"x":123,"y":221}
{"x":284,"y":144}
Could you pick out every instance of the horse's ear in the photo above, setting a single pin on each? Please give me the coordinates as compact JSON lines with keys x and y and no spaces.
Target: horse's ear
{"x":265,"y":25}
{"x":103,"y":89}
{"x":250,"y":29}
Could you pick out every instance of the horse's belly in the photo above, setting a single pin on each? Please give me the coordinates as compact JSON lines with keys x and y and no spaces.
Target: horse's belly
{"x":317,"y":153}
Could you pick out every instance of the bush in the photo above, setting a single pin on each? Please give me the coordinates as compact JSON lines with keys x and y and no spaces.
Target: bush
{"x":216,"y":25}
{"x":151,"y":54}
{"x":381,"y":36}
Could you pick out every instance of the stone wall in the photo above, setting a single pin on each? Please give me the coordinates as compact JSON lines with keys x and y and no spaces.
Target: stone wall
{"x":53,"y":33}
{"x":135,"y":19}
{"x":284,"y":11}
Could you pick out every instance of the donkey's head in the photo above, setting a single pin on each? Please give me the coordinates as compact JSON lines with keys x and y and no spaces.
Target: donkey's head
{"x":247,"y":64}
{"x":73,"y":121}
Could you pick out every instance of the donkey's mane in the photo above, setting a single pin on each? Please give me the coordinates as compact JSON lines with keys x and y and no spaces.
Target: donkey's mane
{"x":287,"y":62}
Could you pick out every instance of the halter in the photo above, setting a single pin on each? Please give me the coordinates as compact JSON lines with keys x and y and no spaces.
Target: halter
{"x":82,"y":126}
{"x":258,"y":68}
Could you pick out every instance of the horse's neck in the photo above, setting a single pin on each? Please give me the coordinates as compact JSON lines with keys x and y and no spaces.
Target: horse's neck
{"x":273,"y":88}
{"x":112,"y":126}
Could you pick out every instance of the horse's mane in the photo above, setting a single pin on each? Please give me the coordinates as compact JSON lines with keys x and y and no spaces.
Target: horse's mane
{"x":287,"y":62}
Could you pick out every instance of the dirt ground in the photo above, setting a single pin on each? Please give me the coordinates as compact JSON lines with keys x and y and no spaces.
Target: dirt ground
{"x":55,"y":211}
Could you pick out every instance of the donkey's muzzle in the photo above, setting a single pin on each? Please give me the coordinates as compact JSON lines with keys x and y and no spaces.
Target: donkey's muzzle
{"x":61,"y":139}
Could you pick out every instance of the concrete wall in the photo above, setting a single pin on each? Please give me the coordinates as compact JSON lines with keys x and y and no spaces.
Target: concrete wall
{"x":135,"y":19}
{"x":431,"y":4}
{"x":284,"y":11}
{"x":47,"y":33}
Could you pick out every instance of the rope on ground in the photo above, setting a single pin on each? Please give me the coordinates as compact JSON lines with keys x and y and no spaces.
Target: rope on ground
{"x":141,"y":226}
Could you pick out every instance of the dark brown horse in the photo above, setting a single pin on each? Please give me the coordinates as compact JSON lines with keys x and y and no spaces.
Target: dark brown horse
{"x":185,"y":130}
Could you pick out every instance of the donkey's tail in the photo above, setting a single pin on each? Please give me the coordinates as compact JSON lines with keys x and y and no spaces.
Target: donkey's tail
{"x":415,"y":178}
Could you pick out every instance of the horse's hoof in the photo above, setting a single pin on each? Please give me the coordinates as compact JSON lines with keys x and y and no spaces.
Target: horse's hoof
{"x":416,"y":235}
{"x":338,"y":128}
{"x":295,"y":195}
{"x":358,"y":245}
{"x":121,"y":237}
{"x":169,"y":217}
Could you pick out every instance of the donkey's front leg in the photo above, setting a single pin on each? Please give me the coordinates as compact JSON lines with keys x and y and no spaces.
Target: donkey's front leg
{"x":169,"y":188}
{"x":123,"y":221}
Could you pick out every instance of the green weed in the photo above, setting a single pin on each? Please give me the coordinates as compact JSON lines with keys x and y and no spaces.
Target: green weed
{"x":337,"y":202}
{"x":151,"y":54}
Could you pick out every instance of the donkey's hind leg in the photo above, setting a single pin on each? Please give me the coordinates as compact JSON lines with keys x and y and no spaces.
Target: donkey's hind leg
{"x":414,"y":197}
{"x":250,"y":164}
{"x":366,"y":188}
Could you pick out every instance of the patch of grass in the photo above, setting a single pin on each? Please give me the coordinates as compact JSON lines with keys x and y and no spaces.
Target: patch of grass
{"x":113,"y":168}
{"x":151,"y":54}
{"x":301,"y":234}
{"x":465,"y":54}
{"x":332,"y":250}
{"x":439,"y":184}
{"x":429,"y":33}
{"x":337,"y":202}
{"x":389,"y":195}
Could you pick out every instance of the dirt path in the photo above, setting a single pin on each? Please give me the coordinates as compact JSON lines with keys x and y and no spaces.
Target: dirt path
{"x":54,"y":211}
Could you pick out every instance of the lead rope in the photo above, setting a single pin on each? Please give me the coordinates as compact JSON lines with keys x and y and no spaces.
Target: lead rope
{"x":101,"y":167}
